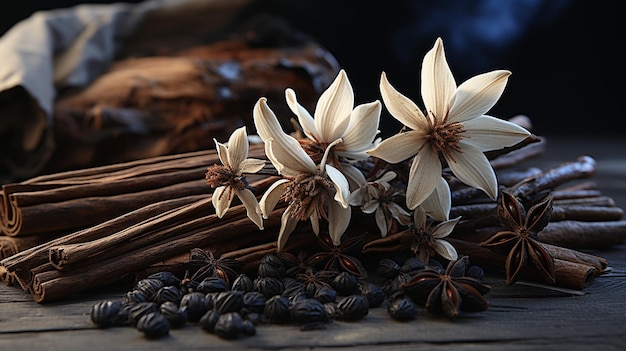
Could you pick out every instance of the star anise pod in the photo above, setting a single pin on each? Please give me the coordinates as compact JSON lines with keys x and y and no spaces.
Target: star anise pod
{"x":204,"y":264}
{"x":339,"y":257}
{"x":447,"y":292}
{"x":520,"y":237}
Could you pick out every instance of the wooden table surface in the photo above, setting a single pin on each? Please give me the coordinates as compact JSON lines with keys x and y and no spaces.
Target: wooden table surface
{"x":520,"y":317}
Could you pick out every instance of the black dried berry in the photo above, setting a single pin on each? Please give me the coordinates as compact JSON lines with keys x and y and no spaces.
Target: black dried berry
{"x":140,"y":309}
{"x":175,"y":315}
{"x":325,"y":294}
{"x":393,"y":285}
{"x":149,"y":286}
{"x":402,"y":309}
{"x":271,"y":266}
{"x":248,"y":328}
{"x":475,"y":272}
{"x":388,"y":268}
{"x":168,"y":293}
{"x":104,"y":313}
{"x":243,"y":282}
{"x":153,"y":325}
{"x":254,"y":301}
{"x":352,"y":308}
{"x":228,"y":301}
{"x":229,"y":325}
{"x":277,"y":309}
{"x":268,"y":286}
{"x":208,"y":320}
{"x":212,"y":284}
{"x":373,"y":293}
{"x":196,"y":304}
{"x":413,"y":265}
{"x":307,"y":311}
{"x":168,"y":278}
{"x":345,"y":283}
{"x":134,"y":296}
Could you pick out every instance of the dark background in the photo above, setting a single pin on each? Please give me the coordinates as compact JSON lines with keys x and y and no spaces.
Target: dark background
{"x":565,"y":55}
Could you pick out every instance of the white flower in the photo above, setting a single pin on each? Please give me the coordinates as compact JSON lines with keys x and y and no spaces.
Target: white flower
{"x":336,"y":118}
{"x":378,"y":197}
{"x":429,"y":239}
{"x":228,"y":179}
{"x":454,"y":125}
{"x":312,"y":191}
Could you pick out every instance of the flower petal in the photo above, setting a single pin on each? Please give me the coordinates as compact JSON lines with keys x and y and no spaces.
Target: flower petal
{"x":445,"y":249}
{"x":332,"y":113}
{"x":221,"y":199}
{"x":477,"y":95}
{"x":251,"y":165}
{"x":222,"y":152}
{"x":361,"y":130}
{"x":402,"y":108}
{"x":354,"y":175}
{"x":444,"y":229}
{"x":437,"y":205}
{"x":491,"y":133}
{"x":252,"y":206}
{"x":424,"y":175}
{"x":370,"y":206}
{"x":315,"y":222}
{"x":473,"y":168}
{"x":399,"y":147}
{"x":287,"y":226}
{"x":438,"y":85}
{"x":271,"y":196}
{"x":304,"y":117}
{"x":338,"y":221}
{"x":237,"y":147}
{"x":342,"y":187}
{"x":381,"y":222}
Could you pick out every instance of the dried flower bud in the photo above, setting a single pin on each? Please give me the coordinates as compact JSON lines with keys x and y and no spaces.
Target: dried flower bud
{"x":388,"y":268}
{"x":352,"y":308}
{"x":208,"y":320}
{"x":373,"y":293}
{"x":175,"y":315}
{"x":212,"y":284}
{"x":228,"y":301}
{"x":277,"y":309}
{"x":153,"y":325}
{"x":168,"y":278}
{"x":307,"y":311}
{"x":345,"y":283}
{"x":104,"y":313}
{"x":402,"y":309}
{"x":196,"y":304}
{"x":229,"y":325}
{"x":243,"y":282}
{"x":168,"y":293}
{"x":140,"y":309}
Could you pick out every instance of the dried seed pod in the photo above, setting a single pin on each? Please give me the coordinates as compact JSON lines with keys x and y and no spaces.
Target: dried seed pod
{"x":345,"y":283}
{"x":388,"y":268}
{"x":104,"y":313}
{"x":153,"y":325}
{"x":228,"y":301}
{"x":298,"y":296}
{"x":412,"y":265}
{"x":243,"y":282}
{"x":140,"y":309}
{"x":268,"y":286}
{"x":402,"y":309}
{"x":134,"y":296}
{"x":373,"y":293}
{"x":196,"y":304}
{"x":212,"y":284}
{"x":325,"y":294}
{"x":271,"y":266}
{"x":248,"y":328}
{"x":123,"y":316}
{"x":393,"y":285}
{"x":294,"y":287}
{"x":149,"y":286}
{"x":175,"y":315}
{"x":254,"y":301}
{"x":307,"y":311}
{"x":475,"y":272}
{"x":168,"y":293}
{"x":351,"y":308}
{"x":209,"y":320}
{"x":277,"y":309}
{"x":168,"y":278}
{"x":331,"y":309}
{"x":229,"y":325}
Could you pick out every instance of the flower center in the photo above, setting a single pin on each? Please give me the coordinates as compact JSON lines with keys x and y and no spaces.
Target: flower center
{"x":445,"y":138}
{"x":307,"y":193}
{"x":218,"y":175}
{"x":316,"y":150}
